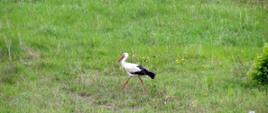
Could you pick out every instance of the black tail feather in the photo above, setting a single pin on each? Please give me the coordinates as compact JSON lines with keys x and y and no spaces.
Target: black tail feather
{"x":150,"y":74}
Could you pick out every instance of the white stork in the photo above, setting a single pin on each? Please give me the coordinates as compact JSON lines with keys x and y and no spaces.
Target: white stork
{"x":134,"y":70}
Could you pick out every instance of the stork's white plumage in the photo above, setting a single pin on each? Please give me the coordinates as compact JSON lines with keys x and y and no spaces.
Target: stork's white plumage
{"x":134,"y":70}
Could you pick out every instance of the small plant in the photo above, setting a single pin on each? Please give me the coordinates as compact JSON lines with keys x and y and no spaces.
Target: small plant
{"x":180,"y":61}
{"x":259,"y":71}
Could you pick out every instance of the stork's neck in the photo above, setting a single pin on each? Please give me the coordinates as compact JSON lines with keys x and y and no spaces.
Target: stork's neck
{"x":123,"y":61}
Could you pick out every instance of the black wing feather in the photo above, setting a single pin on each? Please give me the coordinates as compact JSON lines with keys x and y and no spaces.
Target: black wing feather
{"x":144,"y":72}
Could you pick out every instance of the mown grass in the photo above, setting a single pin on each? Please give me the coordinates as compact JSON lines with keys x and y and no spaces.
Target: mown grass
{"x":60,"y":56}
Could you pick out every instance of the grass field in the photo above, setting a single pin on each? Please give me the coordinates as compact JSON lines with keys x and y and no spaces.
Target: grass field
{"x":59,"y":56}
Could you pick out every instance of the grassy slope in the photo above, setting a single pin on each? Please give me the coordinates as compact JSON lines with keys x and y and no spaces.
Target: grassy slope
{"x":61,"y":56}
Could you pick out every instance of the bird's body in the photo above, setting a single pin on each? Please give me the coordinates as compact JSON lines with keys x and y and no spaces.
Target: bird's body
{"x":134,"y":69}
{"x":130,"y":68}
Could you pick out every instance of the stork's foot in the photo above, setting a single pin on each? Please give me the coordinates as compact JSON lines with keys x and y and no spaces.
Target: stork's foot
{"x":145,"y":93}
{"x":125,"y":90}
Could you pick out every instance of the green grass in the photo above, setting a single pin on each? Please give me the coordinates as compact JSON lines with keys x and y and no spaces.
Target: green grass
{"x":61,"y":56}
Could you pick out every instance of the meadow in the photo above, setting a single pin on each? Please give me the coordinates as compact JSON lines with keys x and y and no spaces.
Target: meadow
{"x":60,"y":56}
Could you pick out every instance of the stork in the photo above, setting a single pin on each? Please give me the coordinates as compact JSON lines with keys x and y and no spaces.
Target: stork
{"x":134,"y":70}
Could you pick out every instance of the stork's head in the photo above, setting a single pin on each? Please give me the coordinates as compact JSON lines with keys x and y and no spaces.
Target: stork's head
{"x":125,"y":55}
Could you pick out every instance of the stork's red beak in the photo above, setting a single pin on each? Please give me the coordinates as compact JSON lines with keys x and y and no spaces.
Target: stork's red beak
{"x":120,"y":58}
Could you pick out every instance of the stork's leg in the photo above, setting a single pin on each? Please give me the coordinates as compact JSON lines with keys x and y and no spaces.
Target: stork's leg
{"x":125,"y":83}
{"x":144,"y":88}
